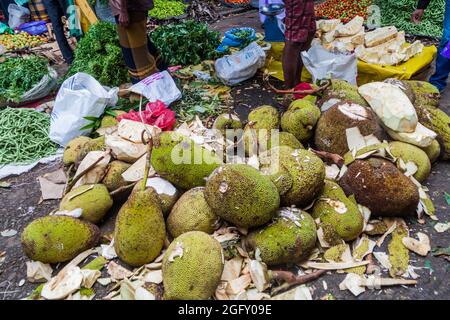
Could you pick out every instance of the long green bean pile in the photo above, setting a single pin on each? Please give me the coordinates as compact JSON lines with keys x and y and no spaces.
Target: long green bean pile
{"x":24,"y":136}
{"x":398,"y":13}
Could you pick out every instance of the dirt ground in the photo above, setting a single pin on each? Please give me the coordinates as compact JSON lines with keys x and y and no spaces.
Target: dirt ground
{"x":20,"y":204}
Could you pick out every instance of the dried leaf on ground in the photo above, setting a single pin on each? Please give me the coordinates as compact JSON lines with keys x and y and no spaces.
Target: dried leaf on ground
{"x":421,"y":246}
{"x":38,"y":271}
{"x":117,"y":272}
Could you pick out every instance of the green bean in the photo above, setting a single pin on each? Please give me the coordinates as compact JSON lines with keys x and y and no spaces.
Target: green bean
{"x":24,"y":136}
{"x":398,"y":13}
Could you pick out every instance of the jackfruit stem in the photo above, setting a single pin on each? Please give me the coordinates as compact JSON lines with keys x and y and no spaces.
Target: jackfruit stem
{"x":291,"y":279}
{"x":335,"y":158}
{"x":147,"y":164}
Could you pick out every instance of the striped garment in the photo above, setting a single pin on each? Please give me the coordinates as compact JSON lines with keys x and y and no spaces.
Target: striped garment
{"x":140,"y":55}
{"x":37,"y":10}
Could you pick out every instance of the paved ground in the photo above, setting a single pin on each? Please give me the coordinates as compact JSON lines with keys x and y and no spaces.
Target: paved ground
{"x":20,"y":204}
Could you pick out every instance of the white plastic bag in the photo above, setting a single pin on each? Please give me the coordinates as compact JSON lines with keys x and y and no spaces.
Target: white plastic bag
{"x":159,"y":86}
{"x":323,"y":64}
{"x":79,"y":96}
{"x":17,"y":15}
{"x":241,"y":65}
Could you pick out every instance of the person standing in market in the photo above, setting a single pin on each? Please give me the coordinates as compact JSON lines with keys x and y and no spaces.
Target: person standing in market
{"x":140,"y":55}
{"x":300,"y":24}
{"x":56,"y":9}
{"x":439,"y":78}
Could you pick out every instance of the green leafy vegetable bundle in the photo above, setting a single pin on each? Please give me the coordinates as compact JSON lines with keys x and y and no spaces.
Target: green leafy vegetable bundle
{"x":19,"y":75}
{"x":398,"y":13}
{"x":99,"y":54}
{"x":165,"y":9}
{"x":186,"y":43}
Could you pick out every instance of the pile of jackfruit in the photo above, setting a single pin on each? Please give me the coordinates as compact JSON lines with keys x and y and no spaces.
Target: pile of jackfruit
{"x":286,"y":200}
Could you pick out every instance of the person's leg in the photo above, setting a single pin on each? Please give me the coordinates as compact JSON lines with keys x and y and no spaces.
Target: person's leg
{"x":55,"y":13}
{"x":439,"y":78}
{"x":291,"y":63}
{"x":134,"y":43}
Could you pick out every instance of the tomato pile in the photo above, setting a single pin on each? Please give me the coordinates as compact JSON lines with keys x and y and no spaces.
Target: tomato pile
{"x":343,"y":9}
{"x":20,"y":40}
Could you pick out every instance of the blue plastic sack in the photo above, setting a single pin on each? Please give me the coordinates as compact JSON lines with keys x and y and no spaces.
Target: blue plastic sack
{"x":231,"y":40}
{"x":34,"y":28}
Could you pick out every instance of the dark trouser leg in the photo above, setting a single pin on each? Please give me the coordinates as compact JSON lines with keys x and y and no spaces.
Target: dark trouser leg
{"x":55,"y":13}
{"x":292,"y":63}
{"x":439,"y":78}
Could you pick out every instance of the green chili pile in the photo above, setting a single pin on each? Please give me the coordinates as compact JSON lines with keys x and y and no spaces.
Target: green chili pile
{"x":19,"y":75}
{"x":164,"y":9}
{"x":398,"y":13}
{"x":24,"y":136}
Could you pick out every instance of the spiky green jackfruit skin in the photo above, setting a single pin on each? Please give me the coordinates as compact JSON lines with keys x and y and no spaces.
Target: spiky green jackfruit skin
{"x":183,"y":162}
{"x":191,"y":213}
{"x":140,"y":230}
{"x":310,"y":98}
{"x":113,"y":179}
{"x":97,"y":144}
{"x":306,"y":170}
{"x":334,"y":208}
{"x":287,"y":139}
{"x":240,"y":194}
{"x":54,"y":239}
{"x":108,"y":121}
{"x":380,"y":186}
{"x":300,"y":119}
{"x":94,"y":200}
{"x":73,"y":148}
{"x":227,"y":122}
{"x":425,"y":93}
{"x":167,"y":201}
{"x":192,"y":267}
{"x":343,"y":91}
{"x":433,"y":151}
{"x":437,"y":120}
{"x":398,"y":253}
{"x":265,"y":119}
{"x":408,"y":152}
{"x":330,"y":134}
{"x":288,"y":239}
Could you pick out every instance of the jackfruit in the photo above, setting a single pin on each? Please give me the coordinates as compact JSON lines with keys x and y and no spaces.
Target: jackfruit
{"x":113,"y":179}
{"x":433,"y":151}
{"x":140,"y":231}
{"x":288,"y":239}
{"x":181,"y":161}
{"x":426,"y":94}
{"x":111,"y":121}
{"x":334,"y":208}
{"x":227,"y":121}
{"x":408,"y":152}
{"x":94,"y":200}
{"x":54,"y":239}
{"x":289,"y":140}
{"x":97,"y":144}
{"x":330,"y":135}
{"x":405,"y":86}
{"x":437,"y":120}
{"x":240,"y":194}
{"x":301,"y":172}
{"x":73,"y":148}
{"x":378,"y":185}
{"x":265,"y":119}
{"x":192,"y":267}
{"x":300,"y":119}
{"x":167,"y":193}
{"x":191,"y":213}
{"x":341,"y":91}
